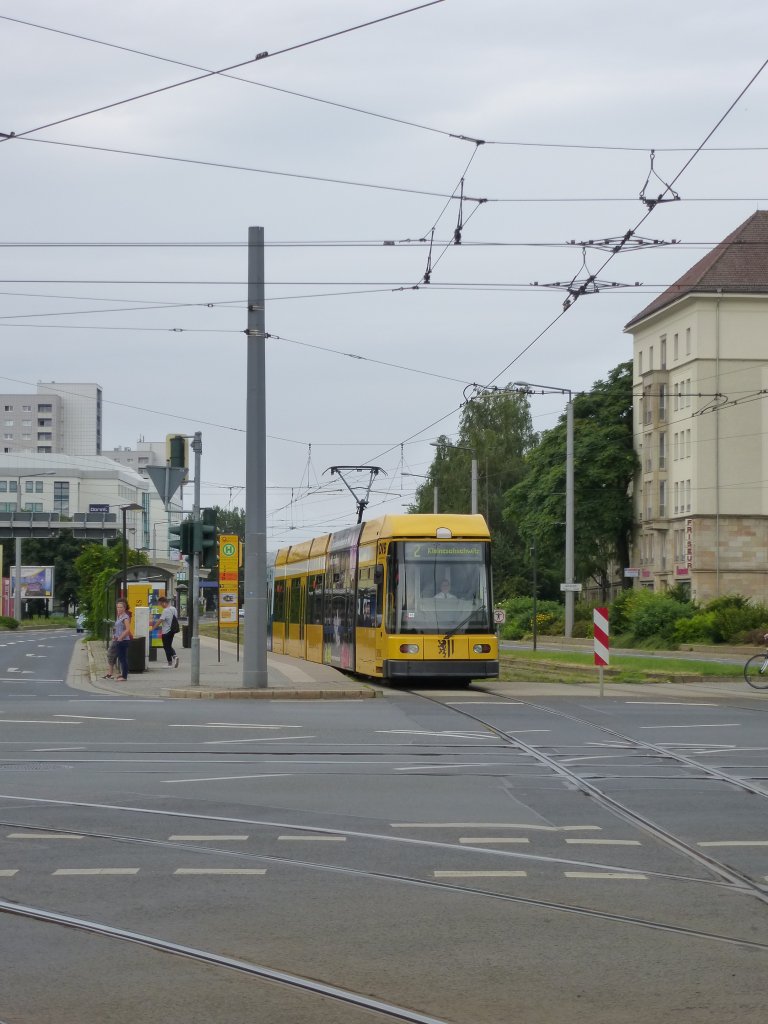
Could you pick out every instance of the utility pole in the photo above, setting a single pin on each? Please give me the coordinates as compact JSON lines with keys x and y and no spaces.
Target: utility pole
{"x":255,"y":569}
{"x":17,"y":584}
{"x":194,"y":569}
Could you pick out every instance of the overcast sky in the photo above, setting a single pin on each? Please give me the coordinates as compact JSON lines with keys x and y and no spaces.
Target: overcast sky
{"x":570,"y":99}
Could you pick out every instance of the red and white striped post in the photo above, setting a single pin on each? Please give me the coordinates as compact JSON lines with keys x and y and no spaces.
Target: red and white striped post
{"x":602,"y":646}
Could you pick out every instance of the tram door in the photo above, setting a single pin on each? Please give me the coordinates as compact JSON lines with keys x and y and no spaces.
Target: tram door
{"x":295,"y":646}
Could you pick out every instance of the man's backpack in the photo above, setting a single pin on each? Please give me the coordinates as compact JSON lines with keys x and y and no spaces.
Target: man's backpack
{"x":174,"y":626}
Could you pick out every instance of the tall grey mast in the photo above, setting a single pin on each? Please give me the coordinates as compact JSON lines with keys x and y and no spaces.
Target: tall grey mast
{"x":255,"y":652}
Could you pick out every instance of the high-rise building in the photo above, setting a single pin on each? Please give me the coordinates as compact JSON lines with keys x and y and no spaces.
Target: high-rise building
{"x":57,"y":418}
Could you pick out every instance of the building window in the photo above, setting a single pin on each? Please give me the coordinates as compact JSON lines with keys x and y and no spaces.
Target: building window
{"x":9,"y":423}
{"x":676,"y":448}
{"x":640,"y":362}
{"x":687,"y":341}
{"x":3,"y":486}
{"x":676,"y":398}
{"x":687,"y":444}
{"x":7,"y":437}
{"x":688,"y":393}
{"x":675,"y":348}
{"x":44,"y":408}
{"x":44,"y":435}
{"x":29,"y":486}
{"x":43,"y":449}
{"x":663,"y":351}
{"x":12,"y":486}
{"x":33,"y":506}
{"x":26,"y":408}
{"x":650,"y":357}
{"x":61,"y":497}
{"x":662,"y":401}
{"x":687,"y":495}
{"x":38,"y":486}
{"x":8,"y":408}
{"x":7,"y":506}
{"x":26,"y":437}
{"x":662,"y":450}
{"x":662,"y":498}
{"x":676,"y":505}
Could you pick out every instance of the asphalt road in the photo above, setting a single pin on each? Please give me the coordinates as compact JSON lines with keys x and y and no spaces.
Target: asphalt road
{"x":480,"y":857}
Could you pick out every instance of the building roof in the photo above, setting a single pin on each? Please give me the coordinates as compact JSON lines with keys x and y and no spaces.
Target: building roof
{"x":738,"y":265}
{"x":33,"y":464}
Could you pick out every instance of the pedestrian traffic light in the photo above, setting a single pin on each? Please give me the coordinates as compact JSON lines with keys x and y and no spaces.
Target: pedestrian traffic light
{"x":180,"y":536}
{"x":209,"y":539}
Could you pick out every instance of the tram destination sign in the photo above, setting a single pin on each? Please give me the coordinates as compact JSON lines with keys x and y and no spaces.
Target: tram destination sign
{"x":444,"y":550}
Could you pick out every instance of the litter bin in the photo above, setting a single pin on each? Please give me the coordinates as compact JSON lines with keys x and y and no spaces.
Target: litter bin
{"x":185,"y":640}
{"x":137,"y":654}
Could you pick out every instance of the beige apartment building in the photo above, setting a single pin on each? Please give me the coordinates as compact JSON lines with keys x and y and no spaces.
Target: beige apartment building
{"x":700,"y":354}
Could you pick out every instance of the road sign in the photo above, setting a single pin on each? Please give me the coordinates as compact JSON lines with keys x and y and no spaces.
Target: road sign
{"x":600,"y":624}
{"x":167,"y":480}
{"x":499,"y":616}
{"x":631,"y":573}
{"x":229,"y":561}
{"x":574,"y":587}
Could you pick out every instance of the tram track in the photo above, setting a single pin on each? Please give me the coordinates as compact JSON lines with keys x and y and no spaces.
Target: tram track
{"x":737,"y":879}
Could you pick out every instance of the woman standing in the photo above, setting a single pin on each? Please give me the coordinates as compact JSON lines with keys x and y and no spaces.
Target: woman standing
{"x":121,"y":634}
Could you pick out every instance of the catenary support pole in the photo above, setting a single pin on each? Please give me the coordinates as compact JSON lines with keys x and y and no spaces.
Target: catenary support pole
{"x":474,"y":486}
{"x":255,"y":650}
{"x":193,"y":612}
{"x":569,"y":594}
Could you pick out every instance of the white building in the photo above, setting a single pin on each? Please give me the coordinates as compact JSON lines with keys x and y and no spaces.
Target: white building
{"x":701,"y":424}
{"x":69,"y":483}
{"x":56,"y":418}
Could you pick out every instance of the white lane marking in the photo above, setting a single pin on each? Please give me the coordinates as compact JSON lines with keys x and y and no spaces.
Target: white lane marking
{"x":490,"y":839}
{"x":604,"y":874}
{"x":32,"y":721}
{"x":96,"y":871}
{"x":228,"y":778}
{"x":605,"y":842}
{"x":256,"y":739}
{"x":737,"y":842}
{"x":8,"y":872}
{"x":480,"y":874}
{"x":47,"y":750}
{"x":458,"y":764}
{"x":220,"y":871}
{"x":495,"y":824}
{"x":702,"y":725}
{"x":454,"y":734}
{"x":313,"y":839}
{"x":672,"y":703}
{"x":42,"y":835}
{"x":200,"y":839}
{"x":97,"y":718}
{"x":226,"y":725}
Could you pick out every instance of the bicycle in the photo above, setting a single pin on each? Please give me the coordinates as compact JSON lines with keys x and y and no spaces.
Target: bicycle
{"x":756,"y":670}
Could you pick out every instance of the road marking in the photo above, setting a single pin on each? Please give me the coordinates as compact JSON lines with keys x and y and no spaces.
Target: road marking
{"x":603,"y":874}
{"x":451,"y":733}
{"x":519,"y":732}
{"x":495,"y":824}
{"x":458,"y":764}
{"x":479,"y":700}
{"x":480,"y":874}
{"x":227,"y":725}
{"x":673,"y":703}
{"x":42,"y":835}
{"x":256,"y":739}
{"x":200,"y":839}
{"x":737,"y":842}
{"x":710,"y":725}
{"x":605,"y":842}
{"x":220,"y":871}
{"x":8,"y":872}
{"x":32,"y":721}
{"x":96,"y":871}
{"x":314,"y":839}
{"x":50,"y":750}
{"x":228,"y":778}
{"x":488,"y":839}
{"x":96,"y":718}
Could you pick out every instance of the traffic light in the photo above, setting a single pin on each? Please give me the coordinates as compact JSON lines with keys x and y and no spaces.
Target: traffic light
{"x":208,"y":539}
{"x":180,"y":537}
{"x":177,"y":451}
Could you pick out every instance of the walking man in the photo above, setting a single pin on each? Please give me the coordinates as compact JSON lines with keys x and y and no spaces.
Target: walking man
{"x":168,"y":622}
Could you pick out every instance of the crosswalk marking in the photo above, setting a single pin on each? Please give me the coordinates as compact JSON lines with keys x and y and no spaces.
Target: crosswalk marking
{"x":42,"y":835}
{"x":603,"y":874}
{"x":202,"y":839}
{"x":8,"y":872}
{"x":96,"y":871}
{"x":314,"y":839}
{"x":220,"y":871}
{"x":605,"y":842}
{"x":490,"y":839}
{"x":480,"y":874}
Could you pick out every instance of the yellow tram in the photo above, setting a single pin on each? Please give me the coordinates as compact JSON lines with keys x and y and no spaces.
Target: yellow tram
{"x":397,"y":598}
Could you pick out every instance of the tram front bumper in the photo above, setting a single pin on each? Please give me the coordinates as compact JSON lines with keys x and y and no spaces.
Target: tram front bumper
{"x":485,"y":669}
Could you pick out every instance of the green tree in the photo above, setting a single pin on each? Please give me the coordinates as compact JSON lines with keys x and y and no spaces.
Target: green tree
{"x":231,"y":520}
{"x":95,"y":567}
{"x":604,"y":465}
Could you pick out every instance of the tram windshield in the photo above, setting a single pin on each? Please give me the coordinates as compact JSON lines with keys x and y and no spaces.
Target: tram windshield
{"x":439,"y":586}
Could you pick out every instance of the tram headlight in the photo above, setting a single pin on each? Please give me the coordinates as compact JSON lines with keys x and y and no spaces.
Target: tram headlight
{"x":409,"y":648}
{"x":481,"y":649}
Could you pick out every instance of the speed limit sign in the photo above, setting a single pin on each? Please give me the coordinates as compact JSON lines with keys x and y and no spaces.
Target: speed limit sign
{"x":499,"y":616}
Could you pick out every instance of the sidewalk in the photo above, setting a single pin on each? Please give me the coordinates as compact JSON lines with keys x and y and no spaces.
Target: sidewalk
{"x":287,"y":678}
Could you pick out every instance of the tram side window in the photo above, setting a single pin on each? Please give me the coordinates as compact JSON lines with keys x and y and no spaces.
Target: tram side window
{"x":279,"y":614}
{"x":315,"y":599}
{"x":295,"y":608}
{"x":368,"y":611}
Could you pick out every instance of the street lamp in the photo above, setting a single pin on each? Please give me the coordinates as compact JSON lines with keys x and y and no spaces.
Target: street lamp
{"x":569,"y":593}
{"x":125,"y":509}
{"x":463,"y":448}
{"x":434,"y":489}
